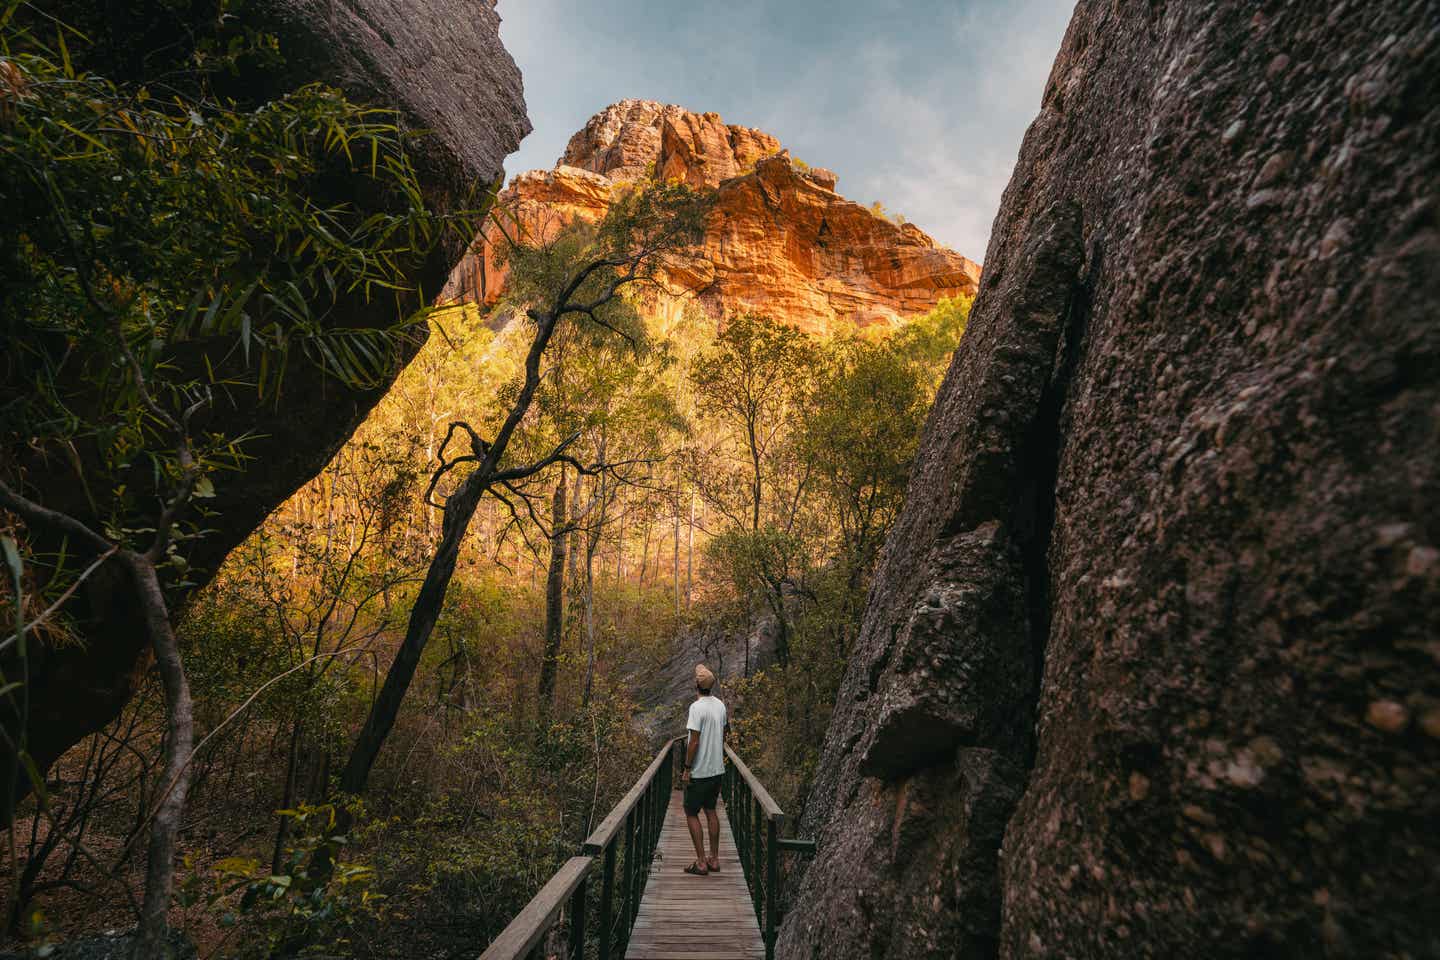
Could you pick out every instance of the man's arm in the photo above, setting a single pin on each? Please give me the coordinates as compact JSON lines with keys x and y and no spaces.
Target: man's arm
{"x":690,"y":753}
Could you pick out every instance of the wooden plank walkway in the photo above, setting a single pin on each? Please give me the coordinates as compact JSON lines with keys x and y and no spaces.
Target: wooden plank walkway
{"x":694,"y":918}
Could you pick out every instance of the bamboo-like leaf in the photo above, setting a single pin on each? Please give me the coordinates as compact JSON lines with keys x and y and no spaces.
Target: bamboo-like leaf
{"x":207,"y":323}
{"x":37,"y":781}
{"x":83,"y":136}
{"x":9,"y":12}
{"x":64,"y":53}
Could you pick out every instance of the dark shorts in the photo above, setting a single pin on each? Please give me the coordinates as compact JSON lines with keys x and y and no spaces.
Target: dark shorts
{"x":704,"y":792}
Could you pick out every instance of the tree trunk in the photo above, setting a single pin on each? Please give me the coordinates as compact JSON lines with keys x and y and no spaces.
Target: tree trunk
{"x":755,"y":475}
{"x":154,"y":932}
{"x":590,"y":618}
{"x":287,"y":796}
{"x":644,"y":552}
{"x":620,"y":552}
{"x":554,"y":599}
{"x":592,"y":544}
{"x":775,"y":598}
{"x":675,"y":564}
{"x":458,"y":511}
{"x":690,"y":556}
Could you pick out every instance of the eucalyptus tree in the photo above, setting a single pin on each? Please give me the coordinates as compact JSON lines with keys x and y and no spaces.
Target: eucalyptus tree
{"x":858,"y":437}
{"x":754,"y":381}
{"x":577,"y":277}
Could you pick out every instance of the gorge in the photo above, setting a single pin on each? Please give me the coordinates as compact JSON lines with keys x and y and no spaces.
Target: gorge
{"x":1096,"y":619}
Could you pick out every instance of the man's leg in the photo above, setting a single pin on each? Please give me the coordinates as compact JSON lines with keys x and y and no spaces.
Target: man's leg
{"x":692,"y":820}
{"x":713,"y":820}
{"x":691,"y":805}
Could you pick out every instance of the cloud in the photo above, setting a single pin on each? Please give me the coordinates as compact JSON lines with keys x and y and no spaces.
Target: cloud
{"x":920,"y":104}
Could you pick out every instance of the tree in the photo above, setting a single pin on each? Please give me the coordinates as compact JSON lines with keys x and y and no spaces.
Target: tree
{"x":751,"y":380}
{"x":578,"y":276}
{"x":859,"y":436}
{"x":559,"y":538}
{"x":754,"y":381}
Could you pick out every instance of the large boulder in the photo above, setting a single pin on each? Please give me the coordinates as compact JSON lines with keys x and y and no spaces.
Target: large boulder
{"x":1183,"y":475}
{"x":441,"y":66}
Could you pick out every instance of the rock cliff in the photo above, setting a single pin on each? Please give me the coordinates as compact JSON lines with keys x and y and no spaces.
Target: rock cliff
{"x":441,"y":65}
{"x":779,"y":240}
{"x":1150,"y":665}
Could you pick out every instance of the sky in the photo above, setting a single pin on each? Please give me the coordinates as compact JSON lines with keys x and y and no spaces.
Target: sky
{"x":920,"y":104}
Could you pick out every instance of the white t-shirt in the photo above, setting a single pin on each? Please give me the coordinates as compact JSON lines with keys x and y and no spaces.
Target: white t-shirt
{"x":707,"y":715}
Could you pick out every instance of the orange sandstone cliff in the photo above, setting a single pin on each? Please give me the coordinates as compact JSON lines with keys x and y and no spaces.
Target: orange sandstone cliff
{"x":779,"y":241}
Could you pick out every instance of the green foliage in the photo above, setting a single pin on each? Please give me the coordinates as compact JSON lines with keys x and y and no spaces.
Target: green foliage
{"x":288,"y":910}
{"x":753,"y":379}
{"x":756,"y":560}
{"x":842,"y":444}
{"x":642,"y":233}
{"x":927,"y":341}
{"x":211,"y":244}
{"x":860,"y":435}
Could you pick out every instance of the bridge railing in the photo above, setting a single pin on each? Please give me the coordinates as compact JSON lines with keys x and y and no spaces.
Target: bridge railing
{"x":757,"y":822}
{"x":623,"y":846}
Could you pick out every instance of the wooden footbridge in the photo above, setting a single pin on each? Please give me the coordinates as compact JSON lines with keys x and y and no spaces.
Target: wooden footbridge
{"x":627,"y":894}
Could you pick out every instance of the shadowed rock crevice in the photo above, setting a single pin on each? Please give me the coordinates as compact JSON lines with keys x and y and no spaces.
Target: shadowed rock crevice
{"x":1034,"y":511}
{"x":939,"y":696}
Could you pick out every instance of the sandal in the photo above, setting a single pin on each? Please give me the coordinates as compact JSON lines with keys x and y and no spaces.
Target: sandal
{"x":713,"y":865}
{"x":695,"y":870}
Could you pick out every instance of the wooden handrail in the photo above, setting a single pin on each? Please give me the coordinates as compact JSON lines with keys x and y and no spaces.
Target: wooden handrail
{"x":756,"y":820}
{"x":615,"y":819}
{"x":757,"y":789}
{"x":529,"y":927}
{"x":633,"y":827}
{"x":639,"y":814}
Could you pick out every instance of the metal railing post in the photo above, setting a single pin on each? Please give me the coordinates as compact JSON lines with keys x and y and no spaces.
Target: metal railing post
{"x":642,"y":828}
{"x":629,"y":873}
{"x":607,"y":900}
{"x":772,"y":871}
{"x":577,"y":921}
{"x":756,"y":814}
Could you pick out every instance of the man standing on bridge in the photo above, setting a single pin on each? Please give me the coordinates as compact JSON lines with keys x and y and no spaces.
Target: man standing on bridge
{"x":704,"y":768}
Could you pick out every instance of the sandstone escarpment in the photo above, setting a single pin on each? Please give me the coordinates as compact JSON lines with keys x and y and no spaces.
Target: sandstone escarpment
{"x":778,"y":241}
{"x":440,"y":65}
{"x":1149,"y":667}
{"x":634,"y":139}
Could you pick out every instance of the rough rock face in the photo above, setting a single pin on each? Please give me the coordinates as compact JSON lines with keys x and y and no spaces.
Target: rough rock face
{"x":1150,"y":667}
{"x":626,"y":138}
{"x":441,"y":65}
{"x":779,"y":240}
